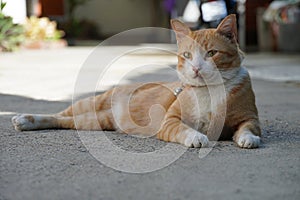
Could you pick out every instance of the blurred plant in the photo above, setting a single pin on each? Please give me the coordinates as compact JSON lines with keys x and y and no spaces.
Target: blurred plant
{"x":11,"y":35}
{"x":73,"y":26}
{"x":41,"y":29}
{"x":73,"y":4}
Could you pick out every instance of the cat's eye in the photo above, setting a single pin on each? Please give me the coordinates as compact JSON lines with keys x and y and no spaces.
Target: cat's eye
{"x":211,"y":53}
{"x":187,"y":55}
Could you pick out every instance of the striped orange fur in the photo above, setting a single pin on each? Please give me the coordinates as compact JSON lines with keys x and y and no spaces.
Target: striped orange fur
{"x":189,"y":117}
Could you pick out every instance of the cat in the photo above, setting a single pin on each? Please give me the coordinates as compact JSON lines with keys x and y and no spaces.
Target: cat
{"x":180,"y":112}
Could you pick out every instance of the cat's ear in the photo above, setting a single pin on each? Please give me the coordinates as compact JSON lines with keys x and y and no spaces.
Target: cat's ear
{"x":228,"y":28}
{"x":180,"y":29}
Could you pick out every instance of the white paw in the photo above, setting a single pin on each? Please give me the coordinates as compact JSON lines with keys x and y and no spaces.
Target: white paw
{"x":248,"y":140}
{"x":23,"y":122}
{"x":195,"y":139}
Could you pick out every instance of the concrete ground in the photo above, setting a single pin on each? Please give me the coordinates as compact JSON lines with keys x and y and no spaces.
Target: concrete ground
{"x":55,"y":164}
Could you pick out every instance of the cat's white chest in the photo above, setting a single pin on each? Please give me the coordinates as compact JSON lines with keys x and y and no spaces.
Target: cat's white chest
{"x":196,"y":109}
{"x":200,"y":104}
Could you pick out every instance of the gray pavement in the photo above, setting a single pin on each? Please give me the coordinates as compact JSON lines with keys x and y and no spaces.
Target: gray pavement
{"x":55,"y":164}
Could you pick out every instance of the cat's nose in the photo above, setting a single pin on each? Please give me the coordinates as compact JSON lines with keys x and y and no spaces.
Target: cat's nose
{"x":196,"y":69}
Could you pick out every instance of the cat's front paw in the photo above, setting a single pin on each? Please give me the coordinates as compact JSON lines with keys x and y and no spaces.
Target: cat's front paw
{"x":195,"y":139}
{"x":23,"y":122}
{"x":248,"y":140}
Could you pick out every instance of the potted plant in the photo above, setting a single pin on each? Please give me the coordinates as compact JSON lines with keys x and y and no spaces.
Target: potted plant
{"x":11,"y":35}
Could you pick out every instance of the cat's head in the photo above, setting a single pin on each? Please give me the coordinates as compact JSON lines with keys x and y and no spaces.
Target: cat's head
{"x":204,"y":55}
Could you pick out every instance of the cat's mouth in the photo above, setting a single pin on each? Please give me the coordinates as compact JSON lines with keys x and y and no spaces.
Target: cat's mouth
{"x":198,"y":75}
{"x":201,"y":77}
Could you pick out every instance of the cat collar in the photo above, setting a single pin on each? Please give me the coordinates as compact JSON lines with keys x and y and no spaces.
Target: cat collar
{"x":177,"y":91}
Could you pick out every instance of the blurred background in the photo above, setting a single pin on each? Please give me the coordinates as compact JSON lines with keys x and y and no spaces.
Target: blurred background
{"x":264,"y":25}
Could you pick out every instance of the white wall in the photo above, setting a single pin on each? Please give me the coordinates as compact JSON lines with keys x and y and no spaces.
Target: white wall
{"x":16,"y":9}
{"x":114,"y":16}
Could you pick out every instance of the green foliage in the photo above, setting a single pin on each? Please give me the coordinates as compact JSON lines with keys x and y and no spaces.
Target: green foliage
{"x":74,"y":27}
{"x":73,"y":4}
{"x":11,"y":35}
{"x":2,"y":5}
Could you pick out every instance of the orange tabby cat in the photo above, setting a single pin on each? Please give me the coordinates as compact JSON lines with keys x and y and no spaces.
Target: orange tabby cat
{"x":181,"y":112}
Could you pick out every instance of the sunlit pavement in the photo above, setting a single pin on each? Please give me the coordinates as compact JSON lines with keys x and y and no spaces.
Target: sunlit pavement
{"x":52,"y":74}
